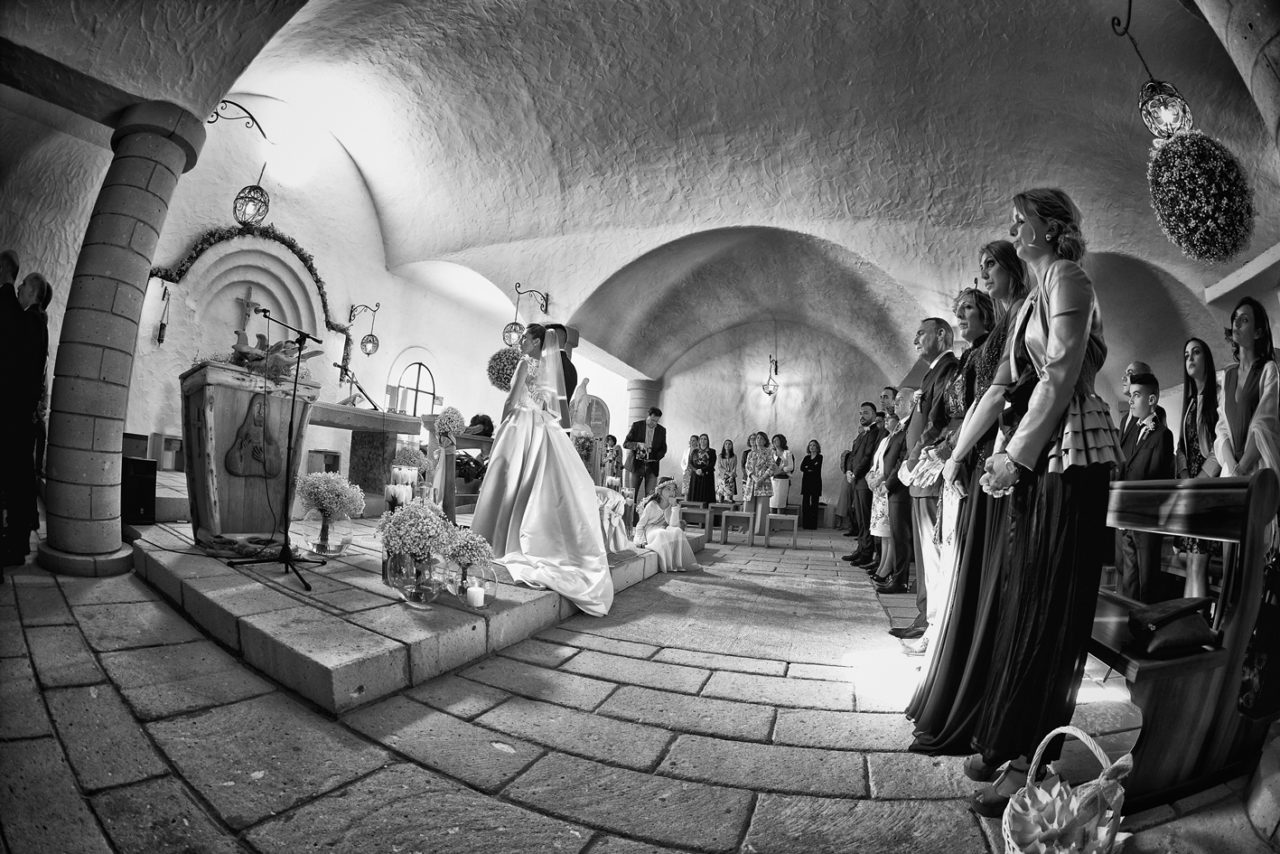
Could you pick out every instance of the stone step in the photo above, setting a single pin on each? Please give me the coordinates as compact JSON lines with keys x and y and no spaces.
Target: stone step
{"x":350,"y":640}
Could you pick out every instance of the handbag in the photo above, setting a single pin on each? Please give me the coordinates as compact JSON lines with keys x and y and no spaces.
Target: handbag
{"x":1169,"y":629}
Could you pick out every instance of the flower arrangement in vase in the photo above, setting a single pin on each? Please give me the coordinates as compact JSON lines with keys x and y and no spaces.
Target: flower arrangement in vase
{"x":416,"y":541}
{"x":330,"y":500}
{"x":473,"y":581}
{"x":450,"y":423}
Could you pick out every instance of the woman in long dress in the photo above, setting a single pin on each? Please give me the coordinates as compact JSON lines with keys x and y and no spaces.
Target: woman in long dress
{"x":702,"y":463}
{"x":1056,"y":468}
{"x":784,"y":465}
{"x":758,"y":480}
{"x":810,"y":485}
{"x":946,"y":703}
{"x":1195,"y":448}
{"x":655,"y":532}
{"x":538,"y":506}
{"x":726,"y":473}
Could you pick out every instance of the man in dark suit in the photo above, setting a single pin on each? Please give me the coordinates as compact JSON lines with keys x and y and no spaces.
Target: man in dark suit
{"x":646,"y":445}
{"x":857,"y":466}
{"x":1148,"y":455}
{"x":899,"y":498}
{"x":933,"y":340}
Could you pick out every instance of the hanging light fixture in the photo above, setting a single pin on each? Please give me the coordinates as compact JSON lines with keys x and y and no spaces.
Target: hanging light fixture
{"x":770,"y":385}
{"x":369,"y":343}
{"x":252,"y":203}
{"x":512,"y":331}
{"x":1163,"y":109}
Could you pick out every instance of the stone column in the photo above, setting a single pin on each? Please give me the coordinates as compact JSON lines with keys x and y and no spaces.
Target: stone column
{"x":1250,"y":31}
{"x":154,"y":143}
{"x":643,"y":394}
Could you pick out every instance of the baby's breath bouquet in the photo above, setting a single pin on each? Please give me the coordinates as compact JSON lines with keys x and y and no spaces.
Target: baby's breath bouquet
{"x":502,"y":366}
{"x":408,"y":456}
{"x":470,"y":549}
{"x":331,"y":494}
{"x":418,"y":529}
{"x":1201,"y":196}
{"x":450,"y":422}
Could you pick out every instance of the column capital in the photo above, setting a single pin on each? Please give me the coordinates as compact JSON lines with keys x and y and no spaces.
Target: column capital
{"x":166,"y":120}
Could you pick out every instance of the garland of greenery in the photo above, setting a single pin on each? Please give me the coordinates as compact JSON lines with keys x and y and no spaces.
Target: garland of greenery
{"x":215,"y":236}
{"x":1201,"y":196}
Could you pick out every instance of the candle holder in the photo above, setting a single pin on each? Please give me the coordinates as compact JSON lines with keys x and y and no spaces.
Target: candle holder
{"x":476,"y":586}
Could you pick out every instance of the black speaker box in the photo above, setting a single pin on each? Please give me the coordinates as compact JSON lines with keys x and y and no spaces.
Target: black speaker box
{"x":138,"y":491}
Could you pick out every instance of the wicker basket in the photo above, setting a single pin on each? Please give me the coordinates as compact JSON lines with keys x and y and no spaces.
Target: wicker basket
{"x":1052,"y":816}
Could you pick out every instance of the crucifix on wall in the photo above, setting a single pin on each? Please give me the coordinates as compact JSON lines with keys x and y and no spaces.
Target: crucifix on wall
{"x":247,"y":305}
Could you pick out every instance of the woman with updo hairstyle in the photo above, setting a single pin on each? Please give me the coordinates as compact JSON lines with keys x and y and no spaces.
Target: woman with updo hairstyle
{"x":1055,"y":468}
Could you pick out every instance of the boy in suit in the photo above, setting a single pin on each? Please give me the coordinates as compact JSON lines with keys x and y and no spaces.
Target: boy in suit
{"x":1148,"y":455}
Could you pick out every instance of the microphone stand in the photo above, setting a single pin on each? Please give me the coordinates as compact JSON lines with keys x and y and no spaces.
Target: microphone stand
{"x":348,"y":375}
{"x":286,"y":555}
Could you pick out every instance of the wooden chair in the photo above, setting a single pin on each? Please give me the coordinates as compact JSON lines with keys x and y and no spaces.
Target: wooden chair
{"x":741,"y":516}
{"x":1193,"y":734}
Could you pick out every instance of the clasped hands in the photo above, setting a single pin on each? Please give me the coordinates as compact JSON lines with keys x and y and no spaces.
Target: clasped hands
{"x":1000,"y":476}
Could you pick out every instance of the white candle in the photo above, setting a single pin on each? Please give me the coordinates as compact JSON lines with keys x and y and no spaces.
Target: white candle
{"x":475,"y":596}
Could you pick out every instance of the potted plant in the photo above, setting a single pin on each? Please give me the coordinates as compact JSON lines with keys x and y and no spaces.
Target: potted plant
{"x":330,"y":501}
{"x":417,"y":539}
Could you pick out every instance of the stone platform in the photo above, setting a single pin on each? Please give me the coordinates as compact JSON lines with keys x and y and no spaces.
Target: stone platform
{"x":350,"y":640}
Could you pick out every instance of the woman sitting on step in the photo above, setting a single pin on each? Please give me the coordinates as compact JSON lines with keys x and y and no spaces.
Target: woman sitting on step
{"x":655,"y":532}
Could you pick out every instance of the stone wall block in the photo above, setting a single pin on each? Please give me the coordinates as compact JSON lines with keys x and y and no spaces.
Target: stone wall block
{"x":144,"y":239}
{"x":84,"y":536}
{"x":99,"y":327}
{"x":108,"y":435}
{"x":128,"y":302}
{"x":130,"y":172}
{"x":151,"y":147}
{"x":71,"y":500}
{"x":117,"y":367}
{"x":96,"y":293}
{"x":111,"y":229}
{"x":88,"y":397}
{"x":105,"y":502}
{"x":131,"y":201}
{"x":87,"y":468}
{"x":114,"y":262}
{"x":78,"y":360}
{"x":73,"y":431}
{"x":163,"y":181}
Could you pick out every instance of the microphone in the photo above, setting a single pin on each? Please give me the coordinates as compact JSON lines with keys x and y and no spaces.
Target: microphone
{"x":260,"y":310}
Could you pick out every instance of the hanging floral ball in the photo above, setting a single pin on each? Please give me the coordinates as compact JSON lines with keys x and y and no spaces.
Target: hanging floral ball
{"x":502,"y":366}
{"x":1201,"y":196}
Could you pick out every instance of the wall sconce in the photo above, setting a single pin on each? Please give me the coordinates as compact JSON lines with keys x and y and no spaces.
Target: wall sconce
{"x":252,"y":203}
{"x":770,"y":385}
{"x":512,"y":331}
{"x":1163,"y":109}
{"x":369,"y":343}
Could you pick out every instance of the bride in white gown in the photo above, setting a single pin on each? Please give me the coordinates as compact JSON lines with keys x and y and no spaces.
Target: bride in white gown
{"x":537,"y":505}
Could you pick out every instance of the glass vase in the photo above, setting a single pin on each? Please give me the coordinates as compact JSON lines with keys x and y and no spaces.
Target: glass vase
{"x":331,"y":535}
{"x":419,"y":581}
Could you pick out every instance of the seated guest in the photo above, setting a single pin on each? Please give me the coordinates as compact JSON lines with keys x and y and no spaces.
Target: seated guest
{"x":1148,"y":455}
{"x":655,"y":532}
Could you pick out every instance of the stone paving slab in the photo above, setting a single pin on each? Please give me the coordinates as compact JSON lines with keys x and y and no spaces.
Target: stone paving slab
{"x":539,"y":683}
{"x":407,"y":809}
{"x":1106,"y":716}
{"x":617,"y":845}
{"x":1223,"y":828}
{"x":42,"y":605}
{"x":654,"y":809}
{"x":126,"y":625}
{"x":460,"y":697}
{"x":272,"y":754}
{"x":634,"y":671}
{"x":780,"y":691}
{"x":788,"y":824}
{"x":61,"y":657}
{"x":715,"y":661}
{"x":100,"y":591}
{"x":519,"y":612}
{"x":598,"y":642}
{"x":438,"y":639}
{"x":914,"y":775}
{"x":590,"y":736}
{"x":104,"y":744}
{"x":167,"y":680}
{"x":767,"y":768}
{"x":349,"y":599}
{"x":478,"y":757}
{"x":324,"y":658}
{"x":42,"y":809}
{"x":843,"y":730}
{"x":824,"y":672}
{"x":167,"y":571}
{"x":12,"y":641}
{"x":217,"y":604}
{"x":22,"y":713}
{"x":702,"y":715}
{"x":159,"y":815}
{"x":540,"y":653}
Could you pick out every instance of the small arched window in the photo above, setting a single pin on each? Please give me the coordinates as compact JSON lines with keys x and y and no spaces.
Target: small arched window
{"x":416,"y":391}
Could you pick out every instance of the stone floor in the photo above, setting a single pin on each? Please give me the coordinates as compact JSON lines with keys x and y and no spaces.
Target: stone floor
{"x":752,"y":707}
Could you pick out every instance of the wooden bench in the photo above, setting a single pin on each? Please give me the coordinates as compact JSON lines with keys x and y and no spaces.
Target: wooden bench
{"x":1193,"y":736}
{"x":743,"y":516}
{"x":785,"y":519}
{"x":700,"y":516}
{"x":717,"y":508}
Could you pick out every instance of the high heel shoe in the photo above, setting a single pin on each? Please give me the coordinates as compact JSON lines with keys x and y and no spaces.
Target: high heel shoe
{"x":990,"y":801}
{"x":977,"y":770}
